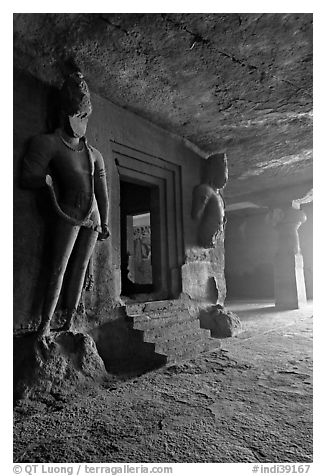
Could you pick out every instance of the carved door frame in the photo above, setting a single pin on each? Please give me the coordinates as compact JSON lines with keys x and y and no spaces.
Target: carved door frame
{"x":164,"y":179}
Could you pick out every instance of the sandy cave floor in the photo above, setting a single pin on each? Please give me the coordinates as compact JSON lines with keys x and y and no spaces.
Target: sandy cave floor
{"x":250,"y":402}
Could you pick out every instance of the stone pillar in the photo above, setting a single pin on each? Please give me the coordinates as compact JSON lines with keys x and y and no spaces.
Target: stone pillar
{"x":289,"y":283}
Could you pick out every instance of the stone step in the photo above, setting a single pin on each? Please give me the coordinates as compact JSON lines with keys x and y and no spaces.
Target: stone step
{"x":159,"y":314}
{"x":154,"y":306}
{"x":186,"y":335}
{"x":149,"y":322}
{"x":180,"y":343}
{"x":207,"y":345}
{"x":172,"y":331}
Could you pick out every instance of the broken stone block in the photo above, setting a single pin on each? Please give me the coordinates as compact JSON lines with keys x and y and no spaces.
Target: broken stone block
{"x":57,"y":363}
{"x":220,"y":322}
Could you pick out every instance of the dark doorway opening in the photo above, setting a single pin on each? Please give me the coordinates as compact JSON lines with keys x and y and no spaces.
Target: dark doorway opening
{"x":137,"y":274}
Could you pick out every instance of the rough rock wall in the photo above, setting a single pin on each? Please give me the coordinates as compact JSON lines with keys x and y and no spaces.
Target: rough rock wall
{"x":109,"y":124}
{"x":30,"y":239}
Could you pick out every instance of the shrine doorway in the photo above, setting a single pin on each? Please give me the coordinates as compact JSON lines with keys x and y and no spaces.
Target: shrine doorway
{"x":142,"y":272}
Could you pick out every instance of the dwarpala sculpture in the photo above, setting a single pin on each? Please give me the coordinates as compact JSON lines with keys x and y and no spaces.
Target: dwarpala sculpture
{"x":74,"y":173}
{"x":208,"y":203}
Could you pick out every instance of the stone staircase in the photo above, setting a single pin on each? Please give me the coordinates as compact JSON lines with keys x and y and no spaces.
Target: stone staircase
{"x":174,"y":331}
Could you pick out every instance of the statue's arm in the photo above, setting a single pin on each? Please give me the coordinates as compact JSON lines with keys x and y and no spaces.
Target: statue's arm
{"x":101,"y":189}
{"x":200,"y":197}
{"x":221,"y":211}
{"x":36,"y":162}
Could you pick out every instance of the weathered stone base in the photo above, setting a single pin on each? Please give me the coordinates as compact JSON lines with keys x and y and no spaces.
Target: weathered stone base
{"x":220,"y":322}
{"x":203,"y":274}
{"x":62,"y":362}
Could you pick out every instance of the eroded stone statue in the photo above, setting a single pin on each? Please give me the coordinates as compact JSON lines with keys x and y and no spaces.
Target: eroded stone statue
{"x":208,"y":203}
{"x":74,"y":173}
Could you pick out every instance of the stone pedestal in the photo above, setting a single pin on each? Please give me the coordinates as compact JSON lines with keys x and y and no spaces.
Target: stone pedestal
{"x":61,"y":363}
{"x":203,"y":277}
{"x":289,"y":283}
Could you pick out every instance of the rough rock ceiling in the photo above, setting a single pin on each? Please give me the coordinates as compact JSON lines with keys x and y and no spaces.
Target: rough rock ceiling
{"x":240,"y":83}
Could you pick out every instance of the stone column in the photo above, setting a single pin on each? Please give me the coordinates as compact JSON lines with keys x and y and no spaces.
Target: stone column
{"x":289,"y":283}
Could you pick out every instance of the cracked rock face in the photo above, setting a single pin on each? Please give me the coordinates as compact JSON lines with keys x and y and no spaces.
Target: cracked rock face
{"x":240,"y":83}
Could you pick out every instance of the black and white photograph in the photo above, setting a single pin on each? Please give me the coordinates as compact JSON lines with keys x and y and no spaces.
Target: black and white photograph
{"x":162,"y":241}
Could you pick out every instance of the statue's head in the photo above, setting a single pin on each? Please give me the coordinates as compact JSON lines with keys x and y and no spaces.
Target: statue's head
{"x":216,"y":170}
{"x":75,"y":104}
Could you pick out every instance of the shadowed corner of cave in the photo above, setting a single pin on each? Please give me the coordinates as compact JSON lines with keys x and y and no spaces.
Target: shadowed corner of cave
{"x":24,"y":364}
{"x":212,"y":289}
{"x":123,"y":351}
{"x":45,"y":211}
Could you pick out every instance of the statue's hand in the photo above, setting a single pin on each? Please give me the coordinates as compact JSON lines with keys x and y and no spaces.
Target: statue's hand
{"x":48,"y":180}
{"x":104,"y":234}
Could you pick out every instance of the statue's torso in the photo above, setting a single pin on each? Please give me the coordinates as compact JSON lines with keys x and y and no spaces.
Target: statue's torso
{"x":72,"y":173}
{"x":208,"y":208}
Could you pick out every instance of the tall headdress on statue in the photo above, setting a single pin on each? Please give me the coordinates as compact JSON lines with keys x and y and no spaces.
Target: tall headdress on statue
{"x":75,"y":97}
{"x":216,"y":170}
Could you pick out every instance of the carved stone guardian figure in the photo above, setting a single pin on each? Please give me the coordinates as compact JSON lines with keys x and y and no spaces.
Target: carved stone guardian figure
{"x":74,"y":173}
{"x":208,"y":203}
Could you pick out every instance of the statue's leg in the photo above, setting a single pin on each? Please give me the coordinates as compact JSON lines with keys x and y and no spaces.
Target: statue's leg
{"x":65,"y":237}
{"x":83,"y":250}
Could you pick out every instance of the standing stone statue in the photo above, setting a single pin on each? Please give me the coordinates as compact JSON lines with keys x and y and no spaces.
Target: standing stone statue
{"x":208,"y":203}
{"x":74,"y":173}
